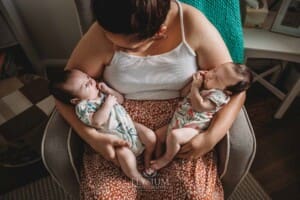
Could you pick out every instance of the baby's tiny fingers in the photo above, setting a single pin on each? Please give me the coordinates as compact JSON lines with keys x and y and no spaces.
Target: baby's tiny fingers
{"x":194,"y":76}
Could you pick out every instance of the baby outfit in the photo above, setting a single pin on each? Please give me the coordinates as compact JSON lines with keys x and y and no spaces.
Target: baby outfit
{"x":119,"y":123}
{"x":186,"y":116}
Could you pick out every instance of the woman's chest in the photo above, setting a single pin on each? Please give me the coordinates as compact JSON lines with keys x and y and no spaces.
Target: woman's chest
{"x":133,"y":74}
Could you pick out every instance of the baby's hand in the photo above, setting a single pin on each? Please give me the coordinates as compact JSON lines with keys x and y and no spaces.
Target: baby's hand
{"x":102,"y":86}
{"x":202,"y":72}
{"x":197,"y":79}
{"x":111,"y":100}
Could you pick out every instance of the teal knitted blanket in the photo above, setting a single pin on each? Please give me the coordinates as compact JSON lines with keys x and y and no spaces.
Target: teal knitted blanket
{"x":225,"y":15}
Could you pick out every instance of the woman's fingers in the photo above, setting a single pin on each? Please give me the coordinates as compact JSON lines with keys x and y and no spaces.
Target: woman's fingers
{"x":120,"y":143}
{"x":111,"y":155}
{"x":187,"y":151}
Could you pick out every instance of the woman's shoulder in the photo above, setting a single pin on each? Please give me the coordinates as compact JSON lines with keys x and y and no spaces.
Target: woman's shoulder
{"x":191,"y":11}
{"x":195,"y":24}
{"x":96,"y":34}
{"x":204,"y":38}
{"x":194,"y":17}
{"x":93,"y":50}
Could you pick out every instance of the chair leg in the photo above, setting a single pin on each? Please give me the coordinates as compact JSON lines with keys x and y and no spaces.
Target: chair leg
{"x":288,"y":100}
{"x":277,"y":74}
{"x":267,"y":84}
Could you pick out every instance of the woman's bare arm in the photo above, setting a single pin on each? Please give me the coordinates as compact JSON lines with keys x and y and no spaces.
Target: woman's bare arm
{"x":211,"y":52}
{"x":86,"y":133}
{"x":100,"y":142}
{"x":90,"y":55}
{"x":224,"y":119}
{"x":205,"y":39}
{"x":92,"y":52}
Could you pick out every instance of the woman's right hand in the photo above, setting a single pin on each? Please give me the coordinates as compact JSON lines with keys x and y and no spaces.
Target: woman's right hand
{"x":105,"y":144}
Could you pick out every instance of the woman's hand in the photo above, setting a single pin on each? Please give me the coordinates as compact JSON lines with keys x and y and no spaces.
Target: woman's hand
{"x":196,"y":147}
{"x":106,"y":145}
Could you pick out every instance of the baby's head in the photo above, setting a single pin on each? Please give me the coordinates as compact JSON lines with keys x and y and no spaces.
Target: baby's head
{"x":71,"y":86}
{"x":230,"y":77}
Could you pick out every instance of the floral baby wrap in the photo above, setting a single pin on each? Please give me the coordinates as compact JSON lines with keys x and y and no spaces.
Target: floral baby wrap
{"x":119,"y":123}
{"x":186,"y":116}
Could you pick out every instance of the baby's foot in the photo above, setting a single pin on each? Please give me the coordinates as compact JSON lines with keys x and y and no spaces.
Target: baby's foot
{"x":159,"y":163}
{"x":146,"y":184}
{"x":149,"y":173}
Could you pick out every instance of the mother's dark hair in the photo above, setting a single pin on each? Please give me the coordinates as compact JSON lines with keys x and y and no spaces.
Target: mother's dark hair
{"x":141,"y":17}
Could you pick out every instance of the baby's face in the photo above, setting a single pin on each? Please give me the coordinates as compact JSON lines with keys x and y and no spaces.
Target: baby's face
{"x":220,"y":77}
{"x":82,"y":85}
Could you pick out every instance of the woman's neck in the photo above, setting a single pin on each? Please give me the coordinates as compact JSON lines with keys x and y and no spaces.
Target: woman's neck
{"x":172,"y":35}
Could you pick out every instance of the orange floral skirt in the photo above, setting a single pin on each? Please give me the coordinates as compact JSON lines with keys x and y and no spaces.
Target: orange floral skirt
{"x":181,"y":179}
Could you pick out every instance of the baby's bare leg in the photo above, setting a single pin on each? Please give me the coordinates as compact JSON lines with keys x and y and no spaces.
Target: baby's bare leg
{"x":128,"y":164}
{"x":148,"y":138}
{"x":161,"y":134}
{"x":175,"y":138}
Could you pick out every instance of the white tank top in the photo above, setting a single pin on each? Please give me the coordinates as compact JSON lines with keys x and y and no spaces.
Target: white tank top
{"x":154,"y":77}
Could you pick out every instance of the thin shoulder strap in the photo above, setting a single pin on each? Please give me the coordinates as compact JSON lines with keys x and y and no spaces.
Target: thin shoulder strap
{"x":181,"y":20}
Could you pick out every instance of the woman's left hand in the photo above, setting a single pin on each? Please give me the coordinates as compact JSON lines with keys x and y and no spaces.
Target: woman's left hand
{"x":196,"y":147}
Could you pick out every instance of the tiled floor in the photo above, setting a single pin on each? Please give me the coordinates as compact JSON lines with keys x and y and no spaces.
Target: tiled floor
{"x":25,"y":106}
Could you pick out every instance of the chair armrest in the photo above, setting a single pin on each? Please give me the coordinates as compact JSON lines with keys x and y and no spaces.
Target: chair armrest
{"x":236,"y":152}
{"x":61,"y":152}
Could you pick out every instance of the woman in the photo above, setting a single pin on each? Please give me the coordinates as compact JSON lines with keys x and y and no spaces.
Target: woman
{"x":148,"y":50}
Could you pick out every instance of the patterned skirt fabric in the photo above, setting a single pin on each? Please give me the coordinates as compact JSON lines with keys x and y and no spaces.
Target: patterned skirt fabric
{"x":181,"y":179}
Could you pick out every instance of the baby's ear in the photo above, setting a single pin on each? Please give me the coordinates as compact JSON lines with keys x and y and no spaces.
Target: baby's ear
{"x":74,"y":101}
